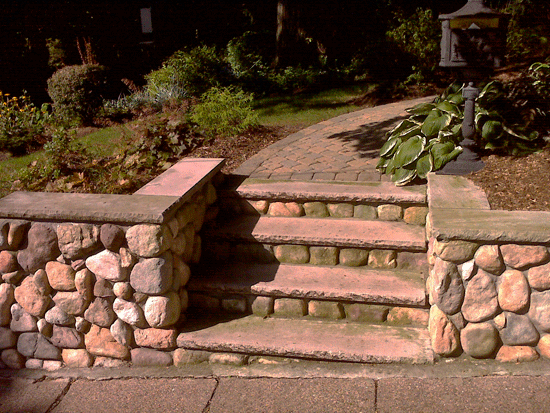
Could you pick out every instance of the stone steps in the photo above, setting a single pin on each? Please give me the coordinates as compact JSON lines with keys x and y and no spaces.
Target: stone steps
{"x":353,"y":294}
{"x":318,"y":199}
{"x":310,"y":339}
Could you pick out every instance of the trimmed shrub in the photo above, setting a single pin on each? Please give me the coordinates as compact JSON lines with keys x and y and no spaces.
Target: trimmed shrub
{"x":224,"y":111}
{"x":77,"y":93}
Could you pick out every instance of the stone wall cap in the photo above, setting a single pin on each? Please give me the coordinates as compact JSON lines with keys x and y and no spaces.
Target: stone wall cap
{"x":494,"y":226}
{"x":87,"y":207}
{"x":449,"y":191}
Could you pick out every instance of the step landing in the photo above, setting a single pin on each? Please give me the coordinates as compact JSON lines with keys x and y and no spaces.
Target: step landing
{"x":310,"y":339}
{"x":359,"y":285}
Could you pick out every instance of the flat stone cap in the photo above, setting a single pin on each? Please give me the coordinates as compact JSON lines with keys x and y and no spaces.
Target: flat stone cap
{"x":155,"y":203}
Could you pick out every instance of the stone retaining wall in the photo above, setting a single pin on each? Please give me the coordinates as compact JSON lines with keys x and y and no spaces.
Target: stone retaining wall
{"x":489,"y":282}
{"x":100,"y":292}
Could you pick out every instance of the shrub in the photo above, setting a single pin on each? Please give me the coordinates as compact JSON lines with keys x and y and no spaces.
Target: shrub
{"x":418,"y":35}
{"x":193,"y":72}
{"x":77,"y":93}
{"x":21,"y":123}
{"x":224,"y":111}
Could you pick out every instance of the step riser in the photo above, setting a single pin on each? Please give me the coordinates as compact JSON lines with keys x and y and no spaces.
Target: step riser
{"x":286,"y":307}
{"x":226,"y":251}
{"x":413,"y":214}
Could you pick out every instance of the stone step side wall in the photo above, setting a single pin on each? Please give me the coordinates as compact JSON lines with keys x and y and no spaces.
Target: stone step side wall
{"x":409,"y":213}
{"x":489,"y":282}
{"x":98,"y":293}
{"x":227,"y":251}
{"x":269,"y":306}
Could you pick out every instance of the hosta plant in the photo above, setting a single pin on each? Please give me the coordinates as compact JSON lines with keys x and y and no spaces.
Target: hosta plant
{"x":429,"y":138}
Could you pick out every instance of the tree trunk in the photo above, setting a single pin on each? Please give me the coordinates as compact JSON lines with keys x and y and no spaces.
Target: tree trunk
{"x":293,"y":45}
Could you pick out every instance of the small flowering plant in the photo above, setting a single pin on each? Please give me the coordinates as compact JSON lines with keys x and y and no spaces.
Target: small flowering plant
{"x":21,"y":123}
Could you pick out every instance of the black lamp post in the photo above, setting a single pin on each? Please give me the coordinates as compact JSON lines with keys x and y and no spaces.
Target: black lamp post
{"x":473,"y":41}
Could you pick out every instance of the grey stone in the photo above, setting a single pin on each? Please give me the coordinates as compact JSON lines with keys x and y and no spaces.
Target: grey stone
{"x":262,"y":306}
{"x":323,"y":255}
{"x":353,"y":257}
{"x":479,"y":340}
{"x":77,"y":240}
{"x":111,"y":236}
{"x":456,"y":251}
{"x":100,"y":312}
{"x":122,"y":333}
{"x":66,"y":337}
{"x":21,"y":321}
{"x":8,"y":338}
{"x":326,"y":309}
{"x":539,"y":311}
{"x":539,"y":277}
{"x":147,"y":240}
{"x":37,"y":346}
{"x":152,"y":275}
{"x":12,"y":359}
{"x":316,"y":209}
{"x":289,"y":307}
{"x":183,"y":357}
{"x":389,"y":212}
{"x":7,"y":298}
{"x":163,"y":311}
{"x":480,"y":299}
{"x":108,"y":265}
{"x":150,"y":357}
{"x":56,"y":315}
{"x":72,"y":303}
{"x":84,"y":281}
{"x":292,"y":254}
{"x":44,"y":328}
{"x":366,"y":212}
{"x":519,"y":331}
{"x":447,"y":289}
{"x":103,"y":288}
{"x":340,"y":210}
{"x":41,"y":248}
{"x":366,"y":312}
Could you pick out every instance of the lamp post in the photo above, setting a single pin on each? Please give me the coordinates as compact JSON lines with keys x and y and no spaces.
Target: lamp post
{"x":473,"y":42}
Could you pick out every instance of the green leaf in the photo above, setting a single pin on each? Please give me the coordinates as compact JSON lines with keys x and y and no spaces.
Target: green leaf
{"x":390,"y":146}
{"x":409,"y":151}
{"x":443,"y":153}
{"x":421,"y":109}
{"x":530,"y":137}
{"x":456,"y":98}
{"x":449,"y":107}
{"x":406,"y":124}
{"x":491,"y":130}
{"x":435,"y":122}
{"x":402,"y":176}
{"x":382,"y":164}
{"x":424,"y":165}
{"x":406,"y":134}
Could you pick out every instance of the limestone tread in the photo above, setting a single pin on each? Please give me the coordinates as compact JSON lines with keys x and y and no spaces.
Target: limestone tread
{"x":360,"y":192}
{"x":346,"y":232}
{"x":348,"y":284}
{"x":312,"y":339}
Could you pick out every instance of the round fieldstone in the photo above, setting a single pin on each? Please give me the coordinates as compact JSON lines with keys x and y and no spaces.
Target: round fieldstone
{"x":84,"y":281}
{"x":389,"y":212}
{"x":513,"y":291}
{"x":150,"y":357}
{"x":539,"y":310}
{"x":41,"y":248}
{"x":340,"y":210}
{"x":103,"y":288}
{"x":41,"y":282}
{"x":285,"y":209}
{"x":292,"y":254}
{"x":152,"y":275}
{"x":162,"y":311}
{"x":31,"y":298}
{"x":522,"y":257}
{"x":100,"y":312}
{"x":66,"y":337}
{"x":162,"y":339}
{"x":148,"y":240}
{"x":518,"y":331}
{"x":489,"y":258}
{"x":56,"y":315}
{"x":77,"y":240}
{"x":480,"y":299}
{"x":77,"y":358}
{"x":60,"y":276}
{"x":316,"y":209}
{"x":544,"y":346}
{"x":129,"y":312}
{"x":415,"y":215}
{"x":455,"y":251}
{"x":108,"y":265}
{"x":479,"y":340}
{"x":516,"y":354}
{"x":367,"y":212}
{"x":444,"y":336}
{"x":467,"y":270}
{"x":8,"y":262}
{"x":353,"y":257}
{"x":384,"y":259}
{"x":183,"y":357}
{"x":7,"y":298}
{"x":8,"y":338}
{"x":100,"y":342}
{"x":72,"y":302}
{"x":122,"y":333}
{"x":111,"y":236}
{"x":123,"y":290}
{"x":12,"y":359}
{"x":35,"y":345}
{"x":21,"y":321}
{"x":323,"y":255}
{"x":446,"y":287}
{"x":16,"y":233}
{"x":539,"y":277}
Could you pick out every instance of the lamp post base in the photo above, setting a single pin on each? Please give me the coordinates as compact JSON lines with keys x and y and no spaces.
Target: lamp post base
{"x":468,"y":161}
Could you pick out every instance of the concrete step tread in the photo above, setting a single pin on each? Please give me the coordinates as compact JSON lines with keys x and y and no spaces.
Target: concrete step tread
{"x":349,"y":284}
{"x":345,"y":232}
{"x":312,"y":339}
{"x":360,"y":192}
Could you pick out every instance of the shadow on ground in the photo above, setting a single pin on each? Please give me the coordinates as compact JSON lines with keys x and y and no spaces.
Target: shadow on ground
{"x":368,"y":139}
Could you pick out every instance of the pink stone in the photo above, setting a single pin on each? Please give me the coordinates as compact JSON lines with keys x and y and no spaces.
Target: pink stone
{"x":8,"y":262}
{"x":515,"y":354}
{"x":443,"y":334}
{"x":455,"y":251}
{"x":544,"y":346}
{"x":156,"y":338}
{"x":539,"y":277}
{"x":100,"y":342}
{"x":488,"y":258}
{"x":513,"y":291}
{"x":524,"y":256}
{"x":29,"y":296}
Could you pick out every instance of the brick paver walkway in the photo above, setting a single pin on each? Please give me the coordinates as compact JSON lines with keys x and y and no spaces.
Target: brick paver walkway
{"x":344,"y":148}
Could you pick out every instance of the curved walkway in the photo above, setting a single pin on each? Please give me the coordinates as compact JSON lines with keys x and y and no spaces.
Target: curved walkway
{"x":344,"y":148}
